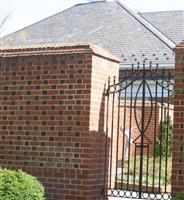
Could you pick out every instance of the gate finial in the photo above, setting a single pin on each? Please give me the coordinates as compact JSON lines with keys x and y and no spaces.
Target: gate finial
{"x":138,"y":65}
{"x":114,"y":80}
{"x":150,"y":65}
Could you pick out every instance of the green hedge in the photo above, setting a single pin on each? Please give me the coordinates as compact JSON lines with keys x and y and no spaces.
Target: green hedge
{"x":18,"y":185}
{"x":179,"y":196}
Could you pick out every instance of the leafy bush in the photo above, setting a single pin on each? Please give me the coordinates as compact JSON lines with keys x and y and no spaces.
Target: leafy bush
{"x":18,"y":185}
{"x":164,"y":144}
{"x":180,"y":196}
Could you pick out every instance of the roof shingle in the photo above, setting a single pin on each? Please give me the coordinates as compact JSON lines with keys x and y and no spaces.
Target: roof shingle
{"x":171,"y":23}
{"x":106,"y":24}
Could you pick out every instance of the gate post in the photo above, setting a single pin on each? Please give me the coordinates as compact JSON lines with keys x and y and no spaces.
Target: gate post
{"x":178,"y":131}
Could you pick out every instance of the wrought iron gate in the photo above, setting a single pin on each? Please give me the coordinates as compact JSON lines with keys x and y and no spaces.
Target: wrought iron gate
{"x":139,"y":115}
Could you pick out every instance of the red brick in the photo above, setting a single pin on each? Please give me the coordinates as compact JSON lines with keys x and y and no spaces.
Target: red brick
{"x":50,"y":141}
{"x":178,"y":138}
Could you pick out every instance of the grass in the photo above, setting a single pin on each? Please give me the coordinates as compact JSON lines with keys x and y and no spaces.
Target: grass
{"x":156,"y":175}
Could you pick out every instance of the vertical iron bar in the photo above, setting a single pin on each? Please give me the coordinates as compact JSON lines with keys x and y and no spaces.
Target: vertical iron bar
{"x":147,"y":169}
{"x":135,"y":156}
{"x":112,"y":125}
{"x":130,"y":127}
{"x":155,"y":133}
{"x":168,"y":109}
{"x":142,"y":133}
{"x":123,"y":148}
{"x":161,"y":127}
{"x":106,"y":138}
{"x":117,"y":147}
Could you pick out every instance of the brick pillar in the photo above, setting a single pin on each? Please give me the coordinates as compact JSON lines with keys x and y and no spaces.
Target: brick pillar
{"x":102,"y":69}
{"x":178,"y":133}
{"x":52,"y":116}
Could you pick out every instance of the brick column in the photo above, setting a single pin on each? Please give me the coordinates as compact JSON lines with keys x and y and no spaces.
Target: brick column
{"x":178,"y":133}
{"x":52,"y":116}
{"x":102,"y":69}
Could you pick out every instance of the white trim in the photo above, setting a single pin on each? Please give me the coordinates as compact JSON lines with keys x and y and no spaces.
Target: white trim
{"x":150,"y":27}
{"x":153,"y":66}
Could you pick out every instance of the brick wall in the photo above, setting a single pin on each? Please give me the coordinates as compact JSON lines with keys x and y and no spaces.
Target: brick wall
{"x":152,"y":119}
{"x":178,"y":137}
{"x":52,"y":117}
{"x":152,"y":132}
{"x":100,"y":74}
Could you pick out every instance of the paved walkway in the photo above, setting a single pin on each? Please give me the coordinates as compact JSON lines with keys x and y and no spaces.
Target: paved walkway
{"x":117,"y":198}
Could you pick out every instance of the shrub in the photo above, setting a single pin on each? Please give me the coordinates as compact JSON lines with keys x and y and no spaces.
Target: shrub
{"x":179,"y":196}
{"x":18,"y":185}
{"x":164,"y":144}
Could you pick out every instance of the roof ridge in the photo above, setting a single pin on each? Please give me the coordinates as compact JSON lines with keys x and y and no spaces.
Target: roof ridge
{"x":161,"y":11}
{"x":167,"y":41}
{"x":85,"y":3}
{"x":158,"y":29}
{"x":55,"y":14}
{"x":41,"y":20}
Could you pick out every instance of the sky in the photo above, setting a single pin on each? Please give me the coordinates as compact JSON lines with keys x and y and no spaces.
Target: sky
{"x":22,"y":13}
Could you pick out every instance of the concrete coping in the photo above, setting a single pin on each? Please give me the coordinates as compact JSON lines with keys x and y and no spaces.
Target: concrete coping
{"x":180,"y":45}
{"x":53,"y":49}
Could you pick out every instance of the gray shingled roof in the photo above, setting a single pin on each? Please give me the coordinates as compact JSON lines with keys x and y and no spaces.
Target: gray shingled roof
{"x":171,"y":23}
{"x":107,"y":24}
